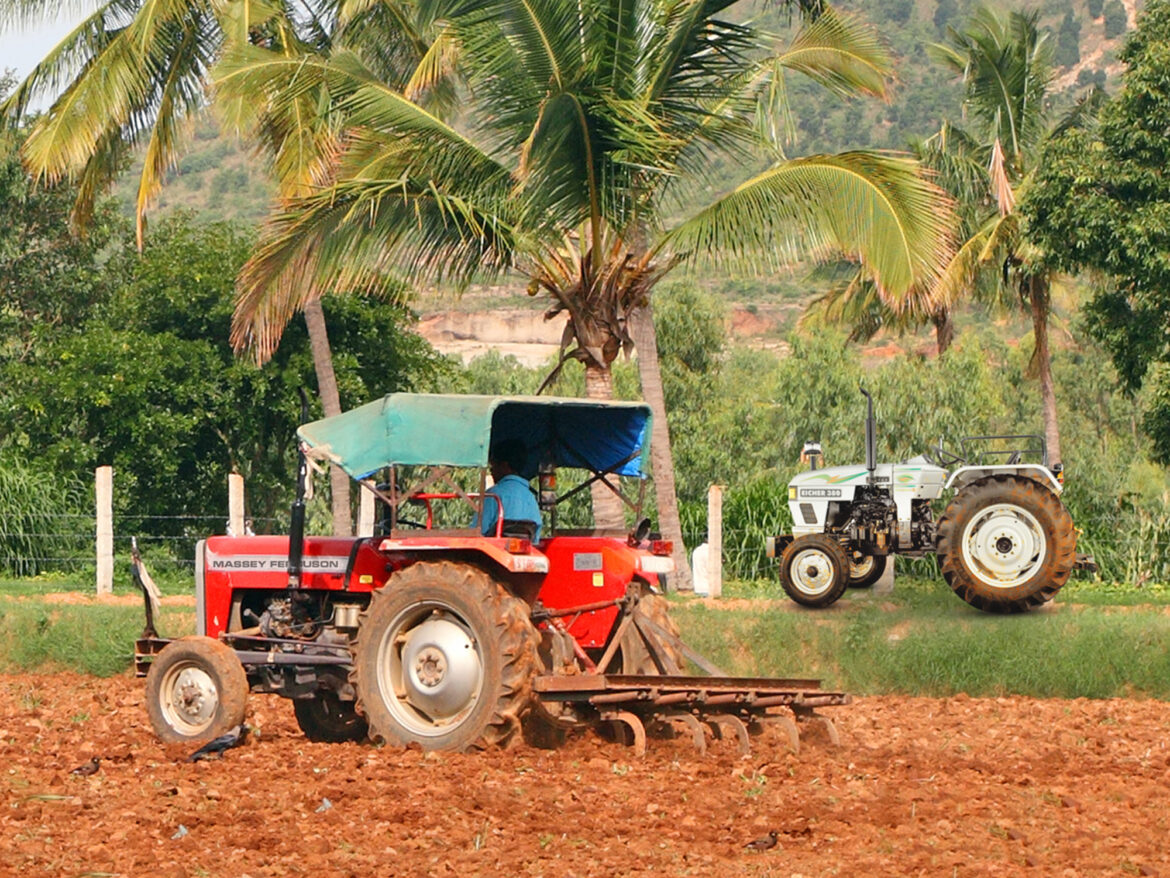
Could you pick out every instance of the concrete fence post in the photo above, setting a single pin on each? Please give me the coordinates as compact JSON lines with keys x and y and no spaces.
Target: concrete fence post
{"x":235,"y":505}
{"x":104,"y":494}
{"x":366,"y":509}
{"x":715,"y":540}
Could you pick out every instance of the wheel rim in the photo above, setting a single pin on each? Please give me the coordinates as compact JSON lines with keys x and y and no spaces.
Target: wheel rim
{"x":812,"y":572}
{"x":860,"y":566}
{"x":1004,"y":545}
{"x":429,"y":669}
{"x":190,"y":698}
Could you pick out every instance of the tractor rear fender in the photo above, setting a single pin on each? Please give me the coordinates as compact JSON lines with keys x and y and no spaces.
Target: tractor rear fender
{"x":965,"y":475}
{"x":513,"y":555}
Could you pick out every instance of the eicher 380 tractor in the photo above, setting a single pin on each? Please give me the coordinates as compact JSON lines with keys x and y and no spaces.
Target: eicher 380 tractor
{"x":1005,"y":542}
{"x":445,"y":637}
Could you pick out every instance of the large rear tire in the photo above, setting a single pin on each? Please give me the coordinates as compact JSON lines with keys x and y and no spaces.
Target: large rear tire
{"x":444,"y":658}
{"x":327,"y":719}
{"x":814,"y":570}
{"x":196,"y":690}
{"x":1006,"y":544}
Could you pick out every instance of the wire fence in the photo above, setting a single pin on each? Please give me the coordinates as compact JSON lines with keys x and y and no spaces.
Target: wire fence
{"x":1128,"y":548}
{"x":67,"y":544}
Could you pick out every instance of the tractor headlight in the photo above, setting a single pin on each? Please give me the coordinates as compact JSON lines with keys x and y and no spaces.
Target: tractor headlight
{"x":791,"y":492}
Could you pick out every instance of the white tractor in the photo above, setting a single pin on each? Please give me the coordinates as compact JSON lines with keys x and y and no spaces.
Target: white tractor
{"x":1005,"y":542}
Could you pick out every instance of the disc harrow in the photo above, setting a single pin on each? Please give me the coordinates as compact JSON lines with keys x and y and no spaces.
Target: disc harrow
{"x":726,"y":708}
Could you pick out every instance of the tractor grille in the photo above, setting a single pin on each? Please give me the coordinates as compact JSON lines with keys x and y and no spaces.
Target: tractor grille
{"x":810,"y":514}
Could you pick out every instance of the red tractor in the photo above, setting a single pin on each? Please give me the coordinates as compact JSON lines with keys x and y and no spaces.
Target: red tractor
{"x":443,"y":636}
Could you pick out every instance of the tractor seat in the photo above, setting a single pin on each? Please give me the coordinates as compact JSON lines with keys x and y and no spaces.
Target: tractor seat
{"x":519,"y":528}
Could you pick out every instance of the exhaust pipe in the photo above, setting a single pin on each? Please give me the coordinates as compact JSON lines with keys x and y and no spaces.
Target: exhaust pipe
{"x":870,"y":438}
{"x":296,"y":530}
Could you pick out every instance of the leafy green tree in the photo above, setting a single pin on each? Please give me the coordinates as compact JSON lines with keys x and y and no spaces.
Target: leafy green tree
{"x":1102,"y":201}
{"x":48,"y":276}
{"x":147,"y":382}
{"x":1115,"y":19}
{"x":1068,"y":41}
{"x":1095,"y":8}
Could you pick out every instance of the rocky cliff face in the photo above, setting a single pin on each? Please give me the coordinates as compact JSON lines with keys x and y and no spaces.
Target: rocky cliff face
{"x":521,"y":333}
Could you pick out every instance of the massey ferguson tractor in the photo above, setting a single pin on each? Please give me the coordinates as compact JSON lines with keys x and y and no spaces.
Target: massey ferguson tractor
{"x":1005,"y":542}
{"x":442,"y":636}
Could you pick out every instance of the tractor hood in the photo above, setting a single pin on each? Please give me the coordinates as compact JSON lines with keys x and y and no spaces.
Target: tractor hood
{"x":838,"y":475}
{"x":840,"y":481}
{"x":453,"y":430}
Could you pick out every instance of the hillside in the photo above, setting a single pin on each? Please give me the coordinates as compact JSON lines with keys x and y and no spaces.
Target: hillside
{"x":221,"y":178}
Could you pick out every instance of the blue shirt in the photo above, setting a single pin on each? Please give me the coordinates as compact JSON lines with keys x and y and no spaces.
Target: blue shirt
{"x":518,"y":501}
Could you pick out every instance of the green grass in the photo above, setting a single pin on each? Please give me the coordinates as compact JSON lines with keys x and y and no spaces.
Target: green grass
{"x":170,"y":581}
{"x":36,"y":635}
{"x":1094,"y":642}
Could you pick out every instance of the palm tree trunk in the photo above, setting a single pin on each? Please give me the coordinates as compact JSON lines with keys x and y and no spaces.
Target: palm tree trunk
{"x":944,"y":329}
{"x":331,"y":403}
{"x":1038,"y":294}
{"x":608,"y":509}
{"x":661,"y":459}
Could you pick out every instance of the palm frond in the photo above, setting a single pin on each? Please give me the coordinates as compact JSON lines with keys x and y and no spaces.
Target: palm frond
{"x":137,"y":83}
{"x":872,"y":206}
{"x":1005,"y":61}
{"x":362,"y":237}
{"x":843,"y":54}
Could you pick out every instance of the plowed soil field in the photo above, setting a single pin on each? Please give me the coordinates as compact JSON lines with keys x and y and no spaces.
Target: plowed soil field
{"x":918,"y":786}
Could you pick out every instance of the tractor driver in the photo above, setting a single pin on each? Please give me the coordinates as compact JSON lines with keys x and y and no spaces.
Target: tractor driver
{"x":505,"y":460}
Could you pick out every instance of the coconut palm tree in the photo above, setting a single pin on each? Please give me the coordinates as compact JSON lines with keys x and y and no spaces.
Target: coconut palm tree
{"x":1005,"y":62}
{"x":584,"y":128}
{"x":128,"y":78}
{"x":985,"y":164}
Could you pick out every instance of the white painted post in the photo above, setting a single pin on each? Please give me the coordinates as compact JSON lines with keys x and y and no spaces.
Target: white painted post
{"x":104,"y":494}
{"x":366,"y":509}
{"x":715,"y":540}
{"x":235,"y":505}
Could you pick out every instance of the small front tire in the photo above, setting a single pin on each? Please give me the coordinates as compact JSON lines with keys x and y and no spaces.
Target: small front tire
{"x":814,"y":570}
{"x":865,"y":570}
{"x":196,"y":690}
{"x":327,"y":719}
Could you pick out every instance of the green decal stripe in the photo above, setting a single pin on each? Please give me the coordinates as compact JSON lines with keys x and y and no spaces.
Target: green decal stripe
{"x":836,"y":480}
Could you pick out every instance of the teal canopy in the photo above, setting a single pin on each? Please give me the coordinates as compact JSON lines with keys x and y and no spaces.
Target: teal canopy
{"x":452,"y":430}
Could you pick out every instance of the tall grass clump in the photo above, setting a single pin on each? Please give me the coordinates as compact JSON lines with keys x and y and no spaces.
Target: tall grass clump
{"x":41,"y":515}
{"x":92,"y":639}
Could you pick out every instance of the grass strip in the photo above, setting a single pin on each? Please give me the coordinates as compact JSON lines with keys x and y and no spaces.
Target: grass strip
{"x":922,"y":640}
{"x":98,"y":639}
{"x":1094,"y":641}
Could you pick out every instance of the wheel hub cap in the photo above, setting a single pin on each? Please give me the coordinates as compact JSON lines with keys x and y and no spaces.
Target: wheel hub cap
{"x":812,"y":572}
{"x":431,"y":671}
{"x":1004,"y":545}
{"x":429,"y":667}
{"x":860,"y":565}
{"x":192,"y":699}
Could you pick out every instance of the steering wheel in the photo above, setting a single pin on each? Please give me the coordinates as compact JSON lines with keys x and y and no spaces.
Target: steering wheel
{"x":939,"y":456}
